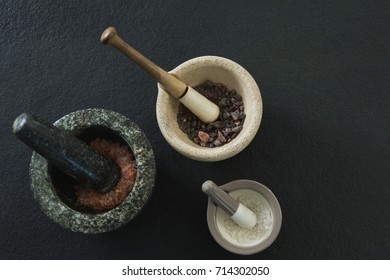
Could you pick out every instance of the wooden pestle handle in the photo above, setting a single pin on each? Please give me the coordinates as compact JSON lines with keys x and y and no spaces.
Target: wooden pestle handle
{"x":170,"y":83}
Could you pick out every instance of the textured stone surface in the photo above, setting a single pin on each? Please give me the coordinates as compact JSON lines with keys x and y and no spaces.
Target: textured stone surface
{"x":68,"y":153}
{"x":43,"y":188}
{"x":322,"y":148}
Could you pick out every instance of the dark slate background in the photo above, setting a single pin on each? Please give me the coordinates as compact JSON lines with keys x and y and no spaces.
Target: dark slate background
{"x":322,"y":148}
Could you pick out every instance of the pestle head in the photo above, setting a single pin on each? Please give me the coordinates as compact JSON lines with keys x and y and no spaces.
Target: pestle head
{"x":67,"y":153}
{"x":107,"y":35}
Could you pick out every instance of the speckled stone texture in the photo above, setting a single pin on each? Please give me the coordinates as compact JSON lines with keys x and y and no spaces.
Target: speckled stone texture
{"x":58,"y":211}
{"x":68,"y":153}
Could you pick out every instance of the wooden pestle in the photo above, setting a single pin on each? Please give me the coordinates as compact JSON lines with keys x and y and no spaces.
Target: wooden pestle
{"x":203,"y":108}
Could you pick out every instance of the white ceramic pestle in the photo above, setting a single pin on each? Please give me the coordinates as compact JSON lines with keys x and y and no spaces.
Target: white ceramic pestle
{"x":239,"y":213}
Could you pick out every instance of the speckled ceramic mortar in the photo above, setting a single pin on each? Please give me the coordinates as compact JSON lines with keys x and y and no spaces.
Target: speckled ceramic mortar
{"x":53,"y":189}
{"x":216,"y":69}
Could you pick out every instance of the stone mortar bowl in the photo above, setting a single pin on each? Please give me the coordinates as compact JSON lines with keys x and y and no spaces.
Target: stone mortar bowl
{"x":219,"y":70}
{"x":53,"y":189}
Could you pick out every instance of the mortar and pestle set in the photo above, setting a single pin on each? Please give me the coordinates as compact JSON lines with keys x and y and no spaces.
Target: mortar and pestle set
{"x":63,"y":161}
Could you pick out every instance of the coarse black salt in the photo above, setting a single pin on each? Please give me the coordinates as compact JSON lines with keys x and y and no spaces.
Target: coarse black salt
{"x":225,"y":128}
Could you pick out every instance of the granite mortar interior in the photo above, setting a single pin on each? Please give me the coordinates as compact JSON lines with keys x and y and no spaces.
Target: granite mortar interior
{"x":63,"y":184}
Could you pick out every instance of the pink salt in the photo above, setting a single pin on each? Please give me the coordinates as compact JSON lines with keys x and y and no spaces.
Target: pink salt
{"x":126,"y":162}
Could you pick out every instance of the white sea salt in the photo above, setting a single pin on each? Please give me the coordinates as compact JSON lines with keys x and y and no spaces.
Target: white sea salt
{"x":237,"y":235}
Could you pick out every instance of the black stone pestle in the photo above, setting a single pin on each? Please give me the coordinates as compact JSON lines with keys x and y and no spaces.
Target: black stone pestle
{"x":68,"y":153}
